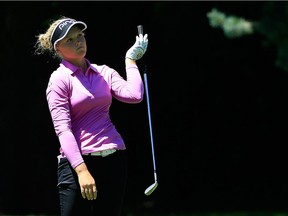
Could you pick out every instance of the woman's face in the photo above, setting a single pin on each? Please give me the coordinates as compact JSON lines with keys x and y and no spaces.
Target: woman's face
{"x":73,"y":46}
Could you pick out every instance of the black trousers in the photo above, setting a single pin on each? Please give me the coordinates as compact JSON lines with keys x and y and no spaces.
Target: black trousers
{"x":110,"y":174}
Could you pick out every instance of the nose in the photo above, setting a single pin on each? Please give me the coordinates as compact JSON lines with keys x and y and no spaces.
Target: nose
{"x":78,"y":42}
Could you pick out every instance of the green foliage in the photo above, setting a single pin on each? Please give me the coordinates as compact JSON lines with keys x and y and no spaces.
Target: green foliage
{"x":272,"y":25}
{"x":232,"y":26}
{"x":216,"y":18}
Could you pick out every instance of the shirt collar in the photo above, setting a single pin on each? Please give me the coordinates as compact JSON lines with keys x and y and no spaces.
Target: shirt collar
{"x":73,"y":68}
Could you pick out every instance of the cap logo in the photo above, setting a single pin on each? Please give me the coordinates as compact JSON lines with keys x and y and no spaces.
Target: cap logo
{"x":62,"y":25}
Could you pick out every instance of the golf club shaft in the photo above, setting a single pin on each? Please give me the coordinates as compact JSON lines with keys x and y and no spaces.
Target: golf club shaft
{"x":150,"y":123}
{"x":140,"y":31}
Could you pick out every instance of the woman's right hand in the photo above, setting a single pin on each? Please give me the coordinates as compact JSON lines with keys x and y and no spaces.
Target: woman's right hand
{"x":87,"y":183}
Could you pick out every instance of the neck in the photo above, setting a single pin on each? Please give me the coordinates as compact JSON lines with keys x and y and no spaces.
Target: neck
{"x":79,"y":63}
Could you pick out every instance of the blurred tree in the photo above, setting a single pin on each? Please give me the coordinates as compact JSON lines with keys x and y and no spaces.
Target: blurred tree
{"x":272,"y":24}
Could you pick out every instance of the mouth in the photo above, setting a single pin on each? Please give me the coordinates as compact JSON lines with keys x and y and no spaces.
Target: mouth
{"x":79,"y":48}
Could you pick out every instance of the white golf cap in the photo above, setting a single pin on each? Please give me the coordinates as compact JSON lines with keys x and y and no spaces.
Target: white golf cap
{"x":63,"y":27}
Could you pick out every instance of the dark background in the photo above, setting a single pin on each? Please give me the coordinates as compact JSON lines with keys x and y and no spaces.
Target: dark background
{"x":218,"y":106}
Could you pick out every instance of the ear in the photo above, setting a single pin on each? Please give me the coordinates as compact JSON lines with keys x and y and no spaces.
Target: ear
{"x":58,"y":51}
{"x":57,"y":48}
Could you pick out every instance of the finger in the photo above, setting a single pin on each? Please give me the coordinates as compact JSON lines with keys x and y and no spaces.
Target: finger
{"x":94,"y":193}
{"x":83,"y":193}
{"x":139,"y":42}
{"x":145,"y":37}
{"x":89,"y":193}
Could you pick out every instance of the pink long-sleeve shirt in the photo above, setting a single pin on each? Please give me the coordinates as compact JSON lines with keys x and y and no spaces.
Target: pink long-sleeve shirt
{"x":79,"y":105}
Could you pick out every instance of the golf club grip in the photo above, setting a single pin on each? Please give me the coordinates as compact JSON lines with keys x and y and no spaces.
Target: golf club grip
{"x":140,"y":29}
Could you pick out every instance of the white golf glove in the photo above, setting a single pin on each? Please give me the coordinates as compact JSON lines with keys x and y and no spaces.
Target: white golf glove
{"x":139,"y":48}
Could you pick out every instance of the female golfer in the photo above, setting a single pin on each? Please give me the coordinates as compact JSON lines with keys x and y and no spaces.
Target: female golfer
{"x":92,"y":156}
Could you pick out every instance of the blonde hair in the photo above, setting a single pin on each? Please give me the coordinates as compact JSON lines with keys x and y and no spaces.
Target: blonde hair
{"x":43,"y":43}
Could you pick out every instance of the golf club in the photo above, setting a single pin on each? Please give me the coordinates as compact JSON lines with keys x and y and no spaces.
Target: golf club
{"x":152,"y":187}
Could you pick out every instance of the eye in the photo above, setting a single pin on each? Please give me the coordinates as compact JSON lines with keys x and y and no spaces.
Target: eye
{"x":81,"y":35}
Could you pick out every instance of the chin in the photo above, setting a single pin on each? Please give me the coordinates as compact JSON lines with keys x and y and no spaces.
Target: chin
{"x":82,"y":53}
